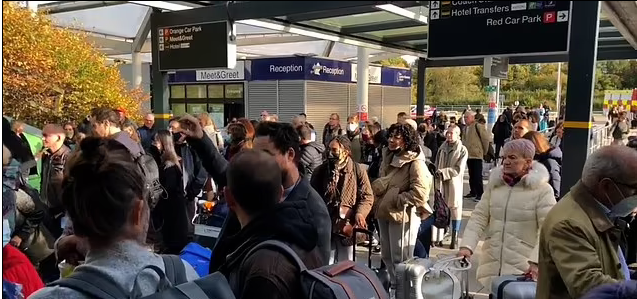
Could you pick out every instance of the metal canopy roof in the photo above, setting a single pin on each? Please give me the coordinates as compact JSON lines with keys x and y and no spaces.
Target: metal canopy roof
{"x":325,"y":28}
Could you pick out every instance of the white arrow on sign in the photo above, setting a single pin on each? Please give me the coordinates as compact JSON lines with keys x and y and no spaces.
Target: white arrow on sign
{"x":562,"y":16}
{"x":435,"y":14}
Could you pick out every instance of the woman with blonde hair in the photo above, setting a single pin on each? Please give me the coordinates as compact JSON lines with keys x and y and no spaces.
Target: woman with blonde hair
{"x":210,"y":128}
{"x":548,"y":155}
{"x":509,"y":217}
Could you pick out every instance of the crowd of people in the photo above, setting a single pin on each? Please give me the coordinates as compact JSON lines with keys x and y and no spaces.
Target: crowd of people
{"x":98,"y":214}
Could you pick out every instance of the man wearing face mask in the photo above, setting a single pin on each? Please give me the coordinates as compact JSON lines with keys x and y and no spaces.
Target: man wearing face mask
{"x":354,"y":136}
{"x":582,"y":245}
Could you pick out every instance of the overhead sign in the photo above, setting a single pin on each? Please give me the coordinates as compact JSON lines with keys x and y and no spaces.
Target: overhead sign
{"x":197,"y":46}
{"x":300,"y":68}
{"x":374,"y":73}
{"x":238,"y":73}
{"x":396,"y":77}
{"x":496,"y":67}
{"x":293,"y":68}
{"x":470,"y":29}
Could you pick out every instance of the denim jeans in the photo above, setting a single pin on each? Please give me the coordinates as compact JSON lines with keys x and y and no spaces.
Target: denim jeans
{"x":424,"y":238}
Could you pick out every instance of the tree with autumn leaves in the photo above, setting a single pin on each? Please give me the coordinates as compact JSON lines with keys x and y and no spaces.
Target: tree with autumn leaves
{"x":52,"y":74}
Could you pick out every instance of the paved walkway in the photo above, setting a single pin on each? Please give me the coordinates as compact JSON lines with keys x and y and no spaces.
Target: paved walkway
{"x":474,"y":287}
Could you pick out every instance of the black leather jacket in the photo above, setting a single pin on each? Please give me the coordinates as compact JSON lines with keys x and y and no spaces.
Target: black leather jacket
{"x":52,"y":174}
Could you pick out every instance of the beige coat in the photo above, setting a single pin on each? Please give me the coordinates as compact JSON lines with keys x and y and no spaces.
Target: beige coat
{"x":578,"y":248}
{"x":404,"y":179}
{"x":510,"y":219}
{"x":477,"y":146}
{"x":451,"y":161}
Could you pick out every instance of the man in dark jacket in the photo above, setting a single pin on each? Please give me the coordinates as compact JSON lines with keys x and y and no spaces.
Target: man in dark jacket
{"x":53,"y":161}
{"x":194,"y":175}
{"x":253,"y":193}
{"x":311,"y":151}
{"x":147,"y":131}
{"x":280,"y":140}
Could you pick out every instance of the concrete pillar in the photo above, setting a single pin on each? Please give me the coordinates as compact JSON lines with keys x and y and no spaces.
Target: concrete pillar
{"x":362,"y":84}
{"x":136,"y":69}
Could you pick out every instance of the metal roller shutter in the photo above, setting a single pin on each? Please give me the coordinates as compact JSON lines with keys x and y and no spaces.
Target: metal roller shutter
{"x":262,"y":95}
{"x":395,"y":100}
{"x":323,"y":99}
{"x":291,"y":99}
{"x":352,"y":107}
{"x":374,"y":102}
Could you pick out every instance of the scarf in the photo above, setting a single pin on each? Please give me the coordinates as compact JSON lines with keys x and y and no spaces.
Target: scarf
{"x":331,"y":192}
{"x":512,"y":179}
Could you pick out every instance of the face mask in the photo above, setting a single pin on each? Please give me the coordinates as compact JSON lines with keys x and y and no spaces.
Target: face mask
{"x":177,"y":137}
{"x":6,"y":232}
{"x":352,"y":127}
{"x":624,"y":207}
{"x":332,"y":158}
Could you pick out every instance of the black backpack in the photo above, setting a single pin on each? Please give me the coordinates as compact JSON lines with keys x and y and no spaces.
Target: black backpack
{"x":150,"y":170}
{"x":173,"y":284}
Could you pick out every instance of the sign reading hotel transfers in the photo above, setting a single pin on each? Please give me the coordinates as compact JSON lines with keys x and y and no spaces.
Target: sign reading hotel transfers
{"x":471,"y":29}
{"x":197,"y":46}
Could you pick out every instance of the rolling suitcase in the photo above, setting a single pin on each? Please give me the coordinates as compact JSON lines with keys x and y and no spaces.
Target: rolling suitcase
{"x":381,"y":273}
{"x":512,"y":287}
{"x":419,"y":278}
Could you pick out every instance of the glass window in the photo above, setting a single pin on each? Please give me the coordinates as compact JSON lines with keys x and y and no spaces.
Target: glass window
{"x":178,"y":109}
{"x":196,"y":91}
{"x":215,"y":91}
{"x":177,"y":92}
{"x":216,"y":113}
{"x":195,"y":109}
{"x":234,"y":91}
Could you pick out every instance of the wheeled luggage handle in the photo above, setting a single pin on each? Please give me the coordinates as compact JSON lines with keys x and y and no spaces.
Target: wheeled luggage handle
{"x":370,"y":236}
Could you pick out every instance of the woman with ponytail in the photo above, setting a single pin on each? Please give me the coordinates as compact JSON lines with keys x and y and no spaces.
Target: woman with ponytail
{"x":104,"y":195}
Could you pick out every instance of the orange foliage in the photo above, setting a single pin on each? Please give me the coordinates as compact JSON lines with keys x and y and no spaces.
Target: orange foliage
{"x":52,"y":74}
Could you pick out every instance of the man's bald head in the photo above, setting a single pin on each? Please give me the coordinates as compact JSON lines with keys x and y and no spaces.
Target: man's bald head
{"x":521,"y":128}
{"x":615,"y":162}
{"x":254,"y":180}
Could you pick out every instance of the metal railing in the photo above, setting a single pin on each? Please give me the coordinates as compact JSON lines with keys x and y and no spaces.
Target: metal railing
{"x":600,"y":136}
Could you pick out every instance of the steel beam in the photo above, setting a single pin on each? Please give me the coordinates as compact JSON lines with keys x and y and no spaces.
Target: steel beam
{"x":389,"y":25}
{"x":328,"y":48}
{"x":368,"y":7}
{"x":404,"y":37}
{"x":618,"y":22}
{"x":68,"y":6}
{"x":579,"y":90}
{"x":142,"y":32}
{"x":619,"y":53}
{"x":248,"y":10}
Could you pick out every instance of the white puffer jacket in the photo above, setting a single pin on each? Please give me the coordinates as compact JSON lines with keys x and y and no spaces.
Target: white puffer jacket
{"x":509,"y":218}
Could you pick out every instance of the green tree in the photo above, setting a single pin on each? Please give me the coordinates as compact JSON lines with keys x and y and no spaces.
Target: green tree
{"x":52,"y":75}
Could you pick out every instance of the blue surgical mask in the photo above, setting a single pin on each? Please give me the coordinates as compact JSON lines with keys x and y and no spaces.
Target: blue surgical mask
{"x":624,"y":207}
{"x":6,"y":232}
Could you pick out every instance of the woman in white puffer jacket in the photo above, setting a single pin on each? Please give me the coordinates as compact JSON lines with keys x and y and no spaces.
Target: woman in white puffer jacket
{"x":510,"y":215}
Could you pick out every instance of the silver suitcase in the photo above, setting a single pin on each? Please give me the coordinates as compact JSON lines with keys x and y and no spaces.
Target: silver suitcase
{"x":419,"y":278}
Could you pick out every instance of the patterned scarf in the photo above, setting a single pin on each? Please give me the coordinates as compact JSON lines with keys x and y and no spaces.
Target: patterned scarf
{"x":512,"y":179}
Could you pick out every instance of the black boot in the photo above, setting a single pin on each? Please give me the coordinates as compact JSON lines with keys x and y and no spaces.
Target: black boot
{"x":454,"y":240}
